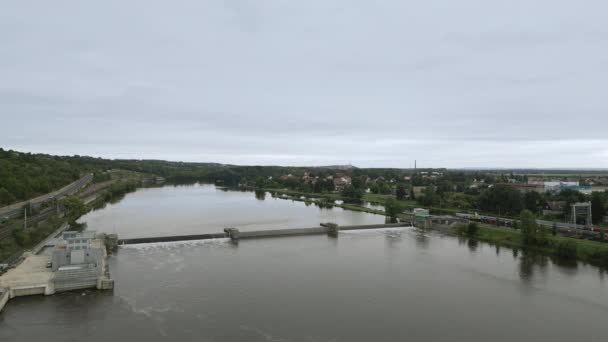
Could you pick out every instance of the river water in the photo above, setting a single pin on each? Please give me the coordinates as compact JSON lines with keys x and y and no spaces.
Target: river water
{"x":203,"y":208}
{"x":379,"y":285}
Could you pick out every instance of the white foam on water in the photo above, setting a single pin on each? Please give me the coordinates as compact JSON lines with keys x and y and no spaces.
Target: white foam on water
{"x":374,"y":231}
{"x":176,"y":244}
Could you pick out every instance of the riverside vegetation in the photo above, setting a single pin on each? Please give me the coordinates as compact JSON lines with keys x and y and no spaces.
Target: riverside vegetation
{"x":72,"y":208}
{"x":24,"y":175}
{"x":530,"y":236}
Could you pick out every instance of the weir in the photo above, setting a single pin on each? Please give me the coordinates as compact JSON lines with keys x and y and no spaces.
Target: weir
{"x":235,"y":234}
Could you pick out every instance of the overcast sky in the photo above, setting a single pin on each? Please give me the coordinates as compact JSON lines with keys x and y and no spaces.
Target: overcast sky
{"x":467,"y":83}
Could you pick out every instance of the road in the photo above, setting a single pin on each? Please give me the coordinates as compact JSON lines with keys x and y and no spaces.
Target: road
{"x":14,"y":210}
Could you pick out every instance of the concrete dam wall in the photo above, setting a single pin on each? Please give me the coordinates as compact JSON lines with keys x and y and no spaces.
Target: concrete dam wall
{"x":235,"y":234}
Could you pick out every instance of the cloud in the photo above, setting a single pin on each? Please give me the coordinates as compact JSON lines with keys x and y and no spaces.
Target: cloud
{"x":469,"y":83}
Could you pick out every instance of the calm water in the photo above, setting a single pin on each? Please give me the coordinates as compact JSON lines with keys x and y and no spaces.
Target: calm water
{"x":382,"y":285}
{"x":198,"y":209}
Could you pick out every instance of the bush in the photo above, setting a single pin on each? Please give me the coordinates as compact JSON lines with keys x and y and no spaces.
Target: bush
{"x":461,"y":229}
{"x":566,"y":249}
{"x":600,"y":257}
{"x":392,"y":207}
{"x":21,"y":237}
{"x":472,"y":229}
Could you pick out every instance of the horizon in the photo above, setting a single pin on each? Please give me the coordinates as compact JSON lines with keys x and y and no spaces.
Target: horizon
{"x":467,"y":168}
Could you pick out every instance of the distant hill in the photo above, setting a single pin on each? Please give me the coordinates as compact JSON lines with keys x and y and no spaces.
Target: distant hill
{"x":339,"y":167}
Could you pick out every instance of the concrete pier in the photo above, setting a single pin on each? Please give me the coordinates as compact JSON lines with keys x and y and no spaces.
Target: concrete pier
{"x":233,"y":234}
{"x":332,"y":229}
{"x":3,"y":298}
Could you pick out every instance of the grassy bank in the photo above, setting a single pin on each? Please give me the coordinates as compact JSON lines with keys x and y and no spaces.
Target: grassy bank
{"x":368,"y":197}
{"x":592,"y":252}
{"x":297,"y":196}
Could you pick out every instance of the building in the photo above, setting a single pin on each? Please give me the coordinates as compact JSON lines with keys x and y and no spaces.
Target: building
{"x":418,"y":191}
{"x":77,"y":240}
{"x":554,"y":208}
{"x":309,"y":179}
{"x":421,"y":217}
{"x":560,"y":185}
{"x":341,"y":182}
{"x":536,"y":180}
{"x":523,"y":187}
{"x":75,"y":249}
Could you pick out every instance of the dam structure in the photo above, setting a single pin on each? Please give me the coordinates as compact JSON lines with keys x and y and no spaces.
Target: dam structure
{"x":73,"y":261}
{"x":235,"y":234}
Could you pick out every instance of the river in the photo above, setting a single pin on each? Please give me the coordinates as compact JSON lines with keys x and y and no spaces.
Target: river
{"x":204,"y":208}
{"x":380,"y":285}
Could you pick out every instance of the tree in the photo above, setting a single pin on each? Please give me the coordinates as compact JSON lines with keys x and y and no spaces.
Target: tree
{"x":533,"y":201}
{"x":430,"y":197}
{"x":528,"y":227}
{"x":6,"y":197}
{"x":566,"y":249}
{"x":260,"y":183}
{"x":74,"y":207}
{"x":21,"y":237}
{"x":541,"y":235}
{"x":472,"y":229}
{"x":392,"y":208}
{"x":380,"y":187}
{"x":554,"y":229}
{"x":352,"y":194}
{"x":358,"y":182}
{"x":501,"y":199}
{"x":570,"y":196}
{"x":401,"y":192}
{"x":598,"y":207}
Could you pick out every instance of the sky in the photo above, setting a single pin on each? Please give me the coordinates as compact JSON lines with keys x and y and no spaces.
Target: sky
{"x":468,"y":83}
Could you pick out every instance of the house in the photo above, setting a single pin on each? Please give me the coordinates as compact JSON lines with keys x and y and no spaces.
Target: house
{"x":599,"y":188}
{"x":286,"y":177}
{"x":308,"y":179}
{"x":418,"y":190}
{"x":341,"y":182}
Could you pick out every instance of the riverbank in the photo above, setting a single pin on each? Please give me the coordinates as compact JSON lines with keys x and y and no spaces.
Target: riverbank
{"x":591,"y":252}
{"x":328,"y":201}
{"x":378,"y":199}
{"x":40,"y":227}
